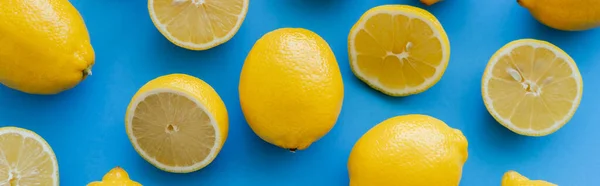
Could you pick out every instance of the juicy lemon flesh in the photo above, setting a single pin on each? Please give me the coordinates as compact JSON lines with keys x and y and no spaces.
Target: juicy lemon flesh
{"x":398,"y":52}
{"x":173,"y":130}
{"x":23,"y":161}
{"x":533,"y":89}
{"x":199,"y":22}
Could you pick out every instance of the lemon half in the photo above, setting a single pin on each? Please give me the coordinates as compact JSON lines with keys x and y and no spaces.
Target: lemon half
{"x":177,"y":122}
{"x":399,"y":50}
{"x":532,"y":87}
{"x":26,"y":158}
{"x":198,"y":24}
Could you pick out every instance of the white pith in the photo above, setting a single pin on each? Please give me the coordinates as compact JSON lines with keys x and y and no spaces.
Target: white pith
{"x":439,"y":70}
{"x":559,"y":54}
{"x":153,"y":161}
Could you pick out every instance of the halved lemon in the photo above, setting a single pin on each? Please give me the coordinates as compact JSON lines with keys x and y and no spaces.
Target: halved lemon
{"x":198,"y":24}
{"x":531,"y":87}
{"x":398,"y":49}
{"x":177,"y":123}
{"x":26,"y":158}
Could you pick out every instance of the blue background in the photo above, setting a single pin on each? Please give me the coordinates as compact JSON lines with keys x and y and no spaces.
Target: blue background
{"x":85,"y":125}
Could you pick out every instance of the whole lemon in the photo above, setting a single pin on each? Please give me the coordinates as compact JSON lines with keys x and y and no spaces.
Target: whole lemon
{"x":115,"y":177}
{"x":568,"y":15}
{"x":291,"y":89}
{"x":512,"y":178}
{"x":410,"y":150}
{"x":44,"y":46}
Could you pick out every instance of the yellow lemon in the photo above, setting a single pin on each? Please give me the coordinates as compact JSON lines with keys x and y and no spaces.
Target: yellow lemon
{"x":291,"y":89}
{"x":399,"y":50}
{"x":415,"y":150}
{"x":429,"y":2}
{"x":44,"y":46}
{"x":27,"y":159}
{"x":512,"y":178}
{"x":198,"y":24}
{"x":115,"y":177}
{"x":177,"y":123}
{"x":531,"y":87}
{"x":569,"y":15}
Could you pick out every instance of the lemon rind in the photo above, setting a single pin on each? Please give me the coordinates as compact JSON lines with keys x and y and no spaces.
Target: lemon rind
{"x":45,"y":146}
{"x":196,"y":46}
{"x":536,"y":44}
{"x":174,"y":169}
{"x":413,"y":13}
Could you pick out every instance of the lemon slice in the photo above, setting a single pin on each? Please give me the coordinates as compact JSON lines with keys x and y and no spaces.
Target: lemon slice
{"x":177,"y":123}
{"x":26,"y":158}
{"x":531,"y":87}
{"x":198,"y":24}
{"x":399,"y":50}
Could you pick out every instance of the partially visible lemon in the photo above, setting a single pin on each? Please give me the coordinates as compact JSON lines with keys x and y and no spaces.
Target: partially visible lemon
{"x":429,"y":2}
{"x":512,"y":178}
{"x":291,"y":89}
{"x":177,"y":122}
{"x":415,"y":150}
{"x":532,"y":87}
{"x":26,"y":158}
{"x":44,"y":46}
{"x":115,"y":177}
{"x":568,"y":15}
{"x":198,"y":24}
{"x":398,"y":49}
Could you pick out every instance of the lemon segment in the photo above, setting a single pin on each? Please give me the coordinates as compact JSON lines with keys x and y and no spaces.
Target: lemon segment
{"x":532,"y":87}
{"x":26,"y":159}
{"x":178,"y":123}
{"x":198,"y":24}
{"x":399,"y":50}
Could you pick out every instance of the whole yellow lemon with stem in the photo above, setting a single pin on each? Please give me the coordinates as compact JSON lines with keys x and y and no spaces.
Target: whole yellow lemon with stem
{"x":115,"y":177}
{"x":44,"y":46}
{"x":568,"y":15}
{"x":512,"y":178}
{"x":291,"y":89}
{"x":411,"y":150}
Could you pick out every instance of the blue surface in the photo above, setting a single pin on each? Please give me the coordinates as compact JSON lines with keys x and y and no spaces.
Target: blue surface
{"x":86,"y":130}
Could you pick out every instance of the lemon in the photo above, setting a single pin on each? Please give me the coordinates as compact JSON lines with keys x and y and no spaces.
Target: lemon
{"x":415,"y":150}
{"x":198,"y":24}
{"x":44,"y":46}
{"x":568,"y":15}
{"x":512,"y":178}
{"x":531,"y":87}
{"x":115,"y":177}
{"x":429,"y":2}
{"x":26,"y":158}
{"x":177,"y":123}
{"x":291,"y":89}
{"x":399,"y":50}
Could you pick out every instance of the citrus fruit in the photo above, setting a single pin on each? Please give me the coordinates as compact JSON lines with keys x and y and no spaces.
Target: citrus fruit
{"x":415,"y":150}
{"x":399,"y":50}
{"x":26,"y":158}
{"x":115,"y":177}
{"x":291,"y":89}
{"x":44,"y":46}
{"x":531,"y":87}
{"x":177,"y":123}
{"x":512,"y":178}
{"x":568,"y":15}
{"x":198,"y":24}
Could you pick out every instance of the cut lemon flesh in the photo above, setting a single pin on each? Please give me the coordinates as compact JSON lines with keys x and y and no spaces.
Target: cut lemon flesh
{"x":26,"y":159}
{"x":399,"y":50}
{"x":198,"y":24}
{"x":532,"y":87}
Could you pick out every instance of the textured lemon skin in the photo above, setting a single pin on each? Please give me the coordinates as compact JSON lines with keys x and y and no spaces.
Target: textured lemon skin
{"x":192,"y":87}
{"x":44,"y":46}
{"x":291,"y":89}
{"x":512,"y":178}
{"x":567,"y":15}
{"x":410,"y":150}
{"x":489,"y":69}
{"x":115,"y":177}
{"x":400,"y":8}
